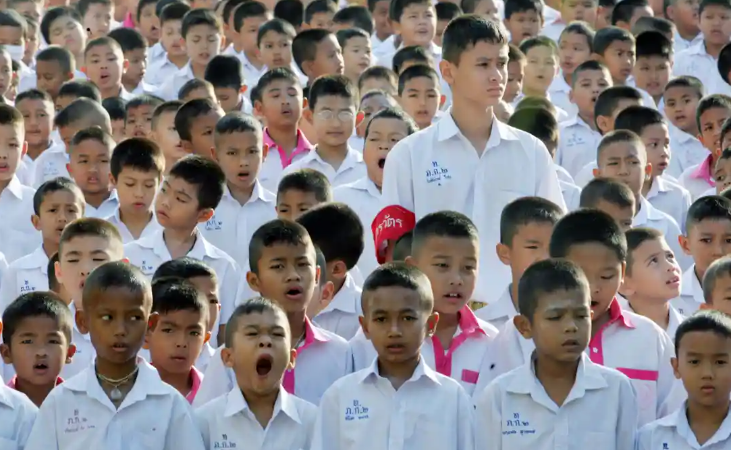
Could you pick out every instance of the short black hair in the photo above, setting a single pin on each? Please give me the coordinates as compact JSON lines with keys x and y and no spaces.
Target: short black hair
{"x":200,"y":16}
{"x":347,"y":34}
{"x":402,"y":247}
{"x":586,"y":66}
{"x":229,"y":7}
{"x":189,"y":112}
{"x":449,"y":224}
{"x":447,"y":11}
{"x":609,"y":99}
{"x":128,"y":39}
{"x":143,"y":100}
{"x":332,"y":85}
{"x":609,"y":35}
{"x":172,"y":106}
{"x":711,"y":102}
{"x":617,"y":136}
{"x":304,"y":45}
{"x":514,"y":54}
{"x":608,"y":190}
{"x":709,"y":207}
{"x":83,"y":110}
{"x":336,"y":229}
{"x":724,"y":62}
{"x":657,"y":24}
{"x":192,"y":85}
{"x":534,"y":101}
{"x":686,"y":81}
{"x":185,"y":268}
{"x":91,"y":134}
{"x":206,"y":175}
{"x":636,"y":237}
{"x":636,"y":118}
{"x":546,"y":277}
{"x":10,"y":116}
{"x":322,"y":264}
{"x":225,"y":71}
{"x":357,"y":15}
{"x":306,"y":180}
{"x":12,"y":18}
{"x":291,"y":12}
{"x":718,"y":268}
{"x":587,"y":226}
{"x":372,"y":4}
{"x":381,"y":72}
{"x":402,"y":275}
{"x":275,"y":232}
{"x":161,"y":4}
{"x":393,"y":113}
{"x":80,"y":89}
{"x":237,"y":122}
{"x":104,"y":41}
{"x":278,"y":26}
{"x":89,"y":226}
{"x":278,"y":74}
{"x":137,"y":153}
{"x":173,"y":11}
{"x":141,"y":5}
{"x":525,"y":211}
{"x":519,"y":6}
{"x":319,"y":7}
{"x":396,"y":9}
{"x":653,"y":43}
{"x":36,"y":304}
{"x":417,"y":71}
{"x":61,"y":55}
{"x":177,"y":294}
{"x":115,"y":275}
{"x":116,"y":107}
{"x":706,"y":3}
{"x":711,"y":321}
{"x":415,"y":53}
{"x":256,"y":305}
{"x":580,"y":28}
{"x":538,"y":122}
{"x":55,"y":185}
{"x":54,"y":14}
{"x":625,"y":9}
{"x":248,"y":10}
{"x":465,"y":31}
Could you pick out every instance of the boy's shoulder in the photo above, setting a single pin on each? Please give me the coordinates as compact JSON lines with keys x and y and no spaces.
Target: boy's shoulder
{"x":19,"y":190}
{"x":667,"y":426}
{"x":332,"y":340}
{"x":213,"y":252}
{"x":30,"y":261}
{"x":349,"y":383}
{"x":16,"y":401}
{"x":638,"y":324}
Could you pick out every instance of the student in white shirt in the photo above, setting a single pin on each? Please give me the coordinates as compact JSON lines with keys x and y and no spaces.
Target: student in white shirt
{"x":188,"y":197}
{"x":612,"y":197}
{"x":707,"y":238}
{"x":419,"y":93}
{"x":195,"y":123}
{"x":134,"y":49}
{"x":574,"y":48}
{"x":399,"y":400}
{"x":685,"y":18}
{"x":469,"y":162}
{"x":281,"y":247}
{"x":138,"y":115}
{"x":17,"y":234}
{"x":202,"y":33}
{"x":105,"y":63}
{"x":56,"y":203}
{"x":332,"y":113}
{"x":300,"y":191}
{"x":90,"y":152}
{"x":37,"y":109}
{"x":136,"y":169}
{"x":652,"y":278}
{"x":62,"y":26}
{"x":17,"y":415}
{"x":258,"y":413}
{"x":157,"y":415}
{"x":245,"y":205}
{"x":680,"y":103}
{"x":703,"y":346}
{"x":247,"y":20}
{"x":554,"y":397}
{"x":383,"y":130}
{"x":172,"y":55}
{"x":525,"y":231}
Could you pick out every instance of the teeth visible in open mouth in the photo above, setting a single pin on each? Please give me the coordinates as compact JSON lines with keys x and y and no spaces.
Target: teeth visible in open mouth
{"x":453,"y":295}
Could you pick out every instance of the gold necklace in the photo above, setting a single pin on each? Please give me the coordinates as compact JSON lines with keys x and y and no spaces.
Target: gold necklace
{"x":115,"y":394}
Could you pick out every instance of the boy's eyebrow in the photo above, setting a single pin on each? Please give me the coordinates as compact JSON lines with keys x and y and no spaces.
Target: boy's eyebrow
{"x":714,"y":354}
{"x":401,"y":311}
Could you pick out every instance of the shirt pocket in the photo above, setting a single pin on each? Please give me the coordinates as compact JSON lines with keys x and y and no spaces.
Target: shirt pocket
{"x":8,"y":444}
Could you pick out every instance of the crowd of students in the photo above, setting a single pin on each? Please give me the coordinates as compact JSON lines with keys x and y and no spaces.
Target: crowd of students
{"x":401,"y":225}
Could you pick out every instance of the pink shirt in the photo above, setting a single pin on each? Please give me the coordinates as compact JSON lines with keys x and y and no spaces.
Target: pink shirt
{"x":277,"y":159}
{"x":13,"y":381}
{"x":704,"y":171}
{"x":128,"y":22}
{"x":303,"y":146}
{"x":196,"y":377}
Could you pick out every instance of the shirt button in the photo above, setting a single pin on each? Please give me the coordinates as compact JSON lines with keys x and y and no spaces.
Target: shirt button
{"x":596,"y":350}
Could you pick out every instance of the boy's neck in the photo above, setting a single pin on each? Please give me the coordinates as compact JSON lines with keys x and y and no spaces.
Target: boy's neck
{"x":50,"y":248}
{"x":97,"y":198}
{"x":254,"y":58}
{"x":557,"y":377}
{"x":713,"y":49}
{"x":514,"y":292}
{"x":338,"y":284}
{"x":178,"y":60}
{"x":79,"y":60}
{"x":199,"y":70}
{"x":619,"y":82}
{"x":474,"y":122}
{"x":135,"y":221}
{"x":129,"y":87}
{"x":567,"y":77}
{"x":647,"y":185}
{"x":382,"y":36}
{"x":400,"y":372}
{"x":115,"y":371}
{"x":702,"y":418}
{"x":36,"y":394}
{"x":599,"y":322}
{"x":658,"y":312}
{"x":34,"y":151}
{"x":179,"y":242}
{"x":688,"y":35}
{"x":241,"y":195}
{"x":182,"y":382}
{"x":261,"y":405}
{"x":698,"y":274}
{"x":4,"y":184}
{"x":446,"y":328}
{"x":405,"y":44}
{"x":333,"y":155}
{"x":588,"y":119}
{"x":113,"y":91}
{"x":285,"y":137}
{"x":297,"y":327}
{"x":528,"y":92}
{"x":238,"y":48}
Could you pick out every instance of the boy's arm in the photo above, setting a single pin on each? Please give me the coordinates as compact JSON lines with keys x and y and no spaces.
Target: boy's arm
{"x":183,"y":432}
{"x":465,"y":422}
{"x":547,"y":185}
{"x":43,"y":434}
{"x":327,"y":433}
{"x":398,"y":187}
{"x":629,"y":413}
{"x":488,"y":419}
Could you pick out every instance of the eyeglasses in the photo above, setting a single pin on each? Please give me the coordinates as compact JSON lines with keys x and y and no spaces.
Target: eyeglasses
{"x":343,"y":116}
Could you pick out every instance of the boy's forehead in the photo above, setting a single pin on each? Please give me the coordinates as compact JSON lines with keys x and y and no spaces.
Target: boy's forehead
{"x":393,"y":299}
{"x":62,"y":197}
{"x":34,"y":103}
{"x":202,"y":30}
{"x":137,"y":174}
{"x":11,"y":30}
{"x":649,"y":247}
{"x":178,"y":184}
{"x":334,"y":102}
{"x":593,"y":74}
{"x":620,"y":44}
{"x":282,"y":250}
{"x":297,"y":196}
{"x":715,"y":9}
{"x":421,"y":83}
{"x":61,"y":22}
{"x":357,"y":40}
{"x":681,"y":91}
{"x":625,"y":103}
{"x":281,"y":85}
{"x":39,"y":324}
{"x":715,"y":113}
{"x":418,"y":8}
{"x":540,"y":51}
{"x":623,"y":149}
{"x":710,"y":226}
{"x":562,"y":299}
{"x":448,"y":246}
{"x":704,"y":342}
{"x":268,"y":319}
{"x":88,"y":244}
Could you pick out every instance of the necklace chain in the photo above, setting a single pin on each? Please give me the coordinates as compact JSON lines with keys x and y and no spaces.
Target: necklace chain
{"x":120,"y":381}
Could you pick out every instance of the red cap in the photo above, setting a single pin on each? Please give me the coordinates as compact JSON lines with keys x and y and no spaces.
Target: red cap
{"x":390,"y":224}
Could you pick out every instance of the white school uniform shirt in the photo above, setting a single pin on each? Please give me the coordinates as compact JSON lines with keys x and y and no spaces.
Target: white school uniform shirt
{"x":500,"y":311}
{"x":155,"y":53}
{"x":674,"y":317}
{"x":250,"y":71}
{"x":152,"y":227}
{"x":670,"y":198}
{"x":673,"y":432}
{"x":159,"y":71}
{"x":685,"y":151}
{"x":30,"y":80}
{"x":171,"y":86}
{"x":553,"y":28}
{"x":680,"y":43}
{"x":18,"y":237}
{"x":516,"y":413}
{"x":207,"y":352}
{"x":17,"y":415}
{"x":362,"y":411}
{"x":509,"y":350}
{"x":341,"y":315}
{"x":696,"y":61}
{"x":85,"y":352}
{"x":559,"y":91}
{"x":78,"y":415}
{"x":351,"y":169}
{"x":26,"y":274}
{"x":26,"y":170}
{"x":105,"y":209}
{"x":691,"y":294}
{"x":365,"y":199}
{"x":321,"y":359}
{"x":227,"y":422}
{"x":577,"y":144}
{"x":698,"y":179}
{"x":149,"y":252}
{"x":51,"y":164}
{"x":142,"y":88}
{"x":571,"y":195}
{"x":437,"y":169}
{"x":233,"y":224}
{"x":651,"y":217}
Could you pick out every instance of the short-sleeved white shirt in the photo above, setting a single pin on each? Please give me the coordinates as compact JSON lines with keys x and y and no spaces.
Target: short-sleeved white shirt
{"x":171,"y":85}
{"x":500,"y":311}
{"x":351,"y":169}
{"x":26,"y":274}
{"x":685,"y":151}
{"x":342,"y":313}
{"x":577,"y":145}
{"x":365,"y":199}
{"x":105,"y":209}
{"x":17,"y":415}
{"x":649,"y":216}
{"x":115,"y":219}
{"x":18,"y":237}
{"x":673,"y":432}
{"x":51,"y":164}
{"x":691,"y":293}
{"x":670,"y":198}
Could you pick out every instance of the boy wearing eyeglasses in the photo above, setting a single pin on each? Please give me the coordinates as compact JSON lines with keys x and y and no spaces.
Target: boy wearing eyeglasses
{"x":332,"y":116}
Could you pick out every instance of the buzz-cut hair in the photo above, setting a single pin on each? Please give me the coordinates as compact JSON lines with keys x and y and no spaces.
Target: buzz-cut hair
{"x":466,"y":31}
{"x":336,"y":230}
{"x":417,"y":71}
{"x":53,"y":15}
{"x":538,"y":41}
{"x":278,"y":26}
{"x":173,"y":11}
{"x":10,"y":116}
{"x":256,"y":305}
{"x":61,"y":55}
{"x":379,"y":72}
{"x":392,"y":112}
{"x":582,"y":29}
{"x":168,"y":107}
{"x":443,"y":224}
{"x":608,"y":190}
{"x":714,"y":322}
{"x":102,"y":42}
{"x":709,"y":207}
{"x":116,"y":107}
{"x":636,"y":118}
{"x":84,"y":111}
{"x":292,"y":12}
{"x":358,"y":16}
{"x":200,"y":16}
{"x":636,"y":237}
{"x":276,"y":232}
{"x":609,"y":35}
{"x":724,"y":62}
{"x":538,"y":122}
{"x":319,"y":7}
{"x":617,"y":136}
{"x":308,"y":181}
{"x":237,"y":122}
{"x":12,"y":18}
{"x":207,"y":177}
{"x":653,"y":43}
{"x":588,"y":66}
{"x":712,"y":101}
{"x":547,"y":277}
{"x":248,"y":10}
{"x":174,"y":294}
{"x":128,"y":39}
{"x":138,"y":154}
{"x":91,"y":134}
{"x":625,"y":9}
{"x":80,"y":89}
{"x":304,"y":45}
{"x":190,"y":111}
{"x":90,"y":226}
{"x":526,"y":211}
{"x":587,"y":226}
{"x":718,"y":268}
{"x":609,"y":99}
{"x":36,"y":304}
{"x":415,"y":53}
{"x":53,"y":185}
{"x":657,"y":24}
{"x":185,"y":268}
{"x":225,"y":71}
{"x":116,"y":275}
{"x":398,"y":275}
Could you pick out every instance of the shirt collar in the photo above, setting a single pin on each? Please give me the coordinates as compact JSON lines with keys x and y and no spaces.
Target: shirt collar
{"x":5,"y":396}
{"x":447,"y":128}
{"x":503,"y":307}
{"x":15,"y":187}
{"x":303,"y":146}
{"x":422,"y":370}
{"x":352,"y":158}
{"x":468,"y":323}
{"x":690,"y":285}
{"x":36,"y":260}
{"x":312,"y":334}
{"x":156,"y":243}
{"x":679,"y":421}
{"x":659,"y":185}
{"x":576,"y":120}
{"x":588,"y":377}
{"x":367,"y":185}
{"x":646,"y":213}
{"x":559,"y":84}
{"x":679,"y":135}
{"x":703,"y":171}
{"x":697,"y":48}
{"x":285,"y":403}
{"x":347,"y":298}
{"x":196,"y":377}
{"x":257,"y":194}
{"x":72,"y":308}
{"x":617,"y":315}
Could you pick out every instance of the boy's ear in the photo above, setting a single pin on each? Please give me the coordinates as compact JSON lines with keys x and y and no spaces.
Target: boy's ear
{"x":69,"y":76}
{"x":152,"y":321}
{"x":410,"y":261}
{"x":5,"y":352}
{"x":603,"y":123}
{"x":292,"y":358}
{"x":243,"y":89}
{"x":57,"y":270}
{"x":223,"y":43}
{"x":307,"y":67}
{"x":112,"y":180}
{"x":36,"y":221}
{"x":213,"y":154}
{"x":253,"y":280}
{"x":182,"y":44}
{"x":523,"y":325}
{"x":70,"y":353}
{"x":307,"y":115}
{"x":442,"y":101}
{"x":205,"y":215}
{"x":227,"y":357}
{"x":684,"y":244}
{"x":359,"y":118}
{"x":627,"y":288}
{"x":208,"y":337}
{"x":81,"y":324}
{"x":82,"y":69}
{"x":305,"y":104}
{"x":264,"y":151}
{"x":503,"y":253}
{"x":445,"y":67}
{"x":125,"y":65}
{"x":70,"y":170}
{"x":337,"y":269}
{"x":596,"y":173}
{"x":431,"y":324}
{"x":674,"y":363}
{"x":648,"y":170}
{"x":25,"y":149}
{"x":364,"y":326}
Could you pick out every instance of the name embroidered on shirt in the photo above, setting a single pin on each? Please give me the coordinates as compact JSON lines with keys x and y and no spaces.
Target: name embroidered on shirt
{"x":574,"y":140}
{"x":517,"y":426}
{"x":213,"y":224}
{"x":26,"y":287}
{"x":357,"y":410}
{"x":146,"y":269}
{"x":75,"y":424}
{"x":437,"y":173}
{"x":665,"y":446}
{"x":224,"y":443}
